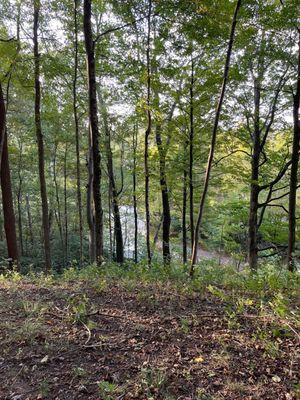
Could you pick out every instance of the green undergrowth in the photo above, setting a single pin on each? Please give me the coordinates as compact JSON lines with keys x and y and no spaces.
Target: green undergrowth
{"x":269,"y":298}
{"x":271,"y":287}
{"x":268,"y":281}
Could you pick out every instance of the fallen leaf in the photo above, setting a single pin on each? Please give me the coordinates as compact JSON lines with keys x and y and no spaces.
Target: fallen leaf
{"x":276,"y":378}
{"x":44,"y":360}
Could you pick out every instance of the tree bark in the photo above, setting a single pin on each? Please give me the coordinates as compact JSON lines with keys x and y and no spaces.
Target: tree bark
{"x":90,"y":53}
{"x":184,"y":208}
{"x":114,"y":192}
{"x":90,"y":208}
{"x":165,"y":196}
{"x":111,"y":252}
{"x":294,"y":170}
{"x":66,"y":223}
{"x":134,"y":197}
{"x":254,"y":187}
{"x":40,"y":140}
{"x":191,"y":155}
{"x":8,"y":208}
{"x":76,"y":122}
{"x":19,"y":202}
{"x":58,"y":216}
{"x":214,"y":137}
{"x":29,"y":220}
{"x":147,"y":135}
{"x":2,"y":123}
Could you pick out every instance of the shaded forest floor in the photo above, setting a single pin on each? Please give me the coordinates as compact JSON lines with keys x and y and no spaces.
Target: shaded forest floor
{"x":110,"y":338}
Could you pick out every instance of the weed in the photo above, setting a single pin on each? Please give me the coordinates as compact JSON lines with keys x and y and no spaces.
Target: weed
{"x":100,"y":285}
{"x":79,"y":372}
{"x":107,"y":390}
{"x":153,"y":380}
{"x":44,"y":388}
{"x":28,"y":331}
{"x":34,"y":308}
{"x":201,"y":394}
{"x":78,"y":305}
{"x":185,"y":325}
{"x":297,"y":390}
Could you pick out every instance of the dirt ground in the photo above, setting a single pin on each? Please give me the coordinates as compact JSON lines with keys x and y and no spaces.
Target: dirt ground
{"x":147,"y":342}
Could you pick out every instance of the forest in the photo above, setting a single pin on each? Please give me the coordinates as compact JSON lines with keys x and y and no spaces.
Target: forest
{"x":149,"y":205}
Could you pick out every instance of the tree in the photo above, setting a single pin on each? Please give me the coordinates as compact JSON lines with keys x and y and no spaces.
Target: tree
{"x":40,"y":140}
{"x":76,"y":123}
{"x":94,"y":129}
{"x":213,"y":138}
{"x":147,"y":134}
{"x":113,"y":188}
{"x":6,"y":188}
{"x":294,"y":169}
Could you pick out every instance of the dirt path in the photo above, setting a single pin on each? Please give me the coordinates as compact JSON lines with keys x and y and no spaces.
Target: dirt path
{"x":213,"y":255}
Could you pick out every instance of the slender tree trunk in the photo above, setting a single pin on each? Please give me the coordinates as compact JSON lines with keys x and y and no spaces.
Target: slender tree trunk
{"x":2,"y":123}
{"x":76,"y":122}
{"x":19,"y":202}
{"x":191,"y":155}
{"x":294,"y":171}
{"x":165,"y":197}
{"x":29,"y":220}
{"x":184,"y":207}
{"x":90,"y":53}
{"x":156,"y":235}
{"x":1,"y":227}
{"x":254,"y":188}
{"x":111,"y":175}
{"x":40,"y":140}
{"x":135,"y":214}
{"x":90,"y":208}
{"x":58,"y":213}
{"x":147,"y":135}
{"x":66,"y":203}
{"x":110,"y":223}
{"x":214,"y":137}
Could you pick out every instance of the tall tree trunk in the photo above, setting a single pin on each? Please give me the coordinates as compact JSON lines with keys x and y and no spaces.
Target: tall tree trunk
{"x":191,"y":155}
{"x":40,"y":140}
{"x":19,"y":202}
{"x":2,"y":123}
{"x":58,"y":216}
{"x":111,"y":175}
{"x":147,"y":135}
{"x":90,"y":207}
{"x":90,"y":53}
{"x":29,"y":220}
{"x":165,"y":196}
{"x":294,"y":170}
{"x":254,"y":188}
{"x":76,"y":122}
{"x":184,"y":207}
{"x":111,"y":253}
{"x":6,"y":188}
{"x":66,"y":204}
{"x":135,"y":214}
{"x":214,"y":137}
{"x":8,"y":208}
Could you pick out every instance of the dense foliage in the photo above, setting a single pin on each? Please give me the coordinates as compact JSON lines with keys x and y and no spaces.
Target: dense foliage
{"x":159,"y":71}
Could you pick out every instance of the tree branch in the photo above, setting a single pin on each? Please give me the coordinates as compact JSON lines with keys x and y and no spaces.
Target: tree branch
{"x":117,"y":28}
{"x":278,"y":177}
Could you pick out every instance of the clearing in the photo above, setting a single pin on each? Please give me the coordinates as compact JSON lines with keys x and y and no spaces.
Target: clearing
{"x":114,"y":339}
